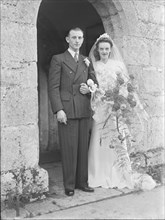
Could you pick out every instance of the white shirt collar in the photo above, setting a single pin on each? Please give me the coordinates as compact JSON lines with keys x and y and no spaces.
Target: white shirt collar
{"x":72,"y":52}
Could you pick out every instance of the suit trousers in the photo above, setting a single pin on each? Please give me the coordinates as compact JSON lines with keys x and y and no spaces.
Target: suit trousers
{"x":74,"y":139}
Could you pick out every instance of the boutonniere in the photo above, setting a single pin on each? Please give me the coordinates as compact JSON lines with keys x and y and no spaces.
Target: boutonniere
{"x":87,"y":62}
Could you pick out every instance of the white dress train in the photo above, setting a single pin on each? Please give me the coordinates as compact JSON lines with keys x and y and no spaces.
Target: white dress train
{"x":109,"y":164}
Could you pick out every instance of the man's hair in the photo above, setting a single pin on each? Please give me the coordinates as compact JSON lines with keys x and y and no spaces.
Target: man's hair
{"x":74,"y":29}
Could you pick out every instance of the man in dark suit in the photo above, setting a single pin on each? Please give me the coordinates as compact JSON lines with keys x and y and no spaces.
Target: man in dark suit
{"x":70,"y":101}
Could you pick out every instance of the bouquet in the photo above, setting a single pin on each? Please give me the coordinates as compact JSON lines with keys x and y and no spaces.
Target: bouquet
{"x":121,"y":99}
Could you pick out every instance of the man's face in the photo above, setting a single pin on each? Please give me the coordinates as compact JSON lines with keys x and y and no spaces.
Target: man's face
{"x":75,"y":39}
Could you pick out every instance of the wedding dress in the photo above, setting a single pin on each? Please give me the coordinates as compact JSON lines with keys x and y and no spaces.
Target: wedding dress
{"x":109,"y":164}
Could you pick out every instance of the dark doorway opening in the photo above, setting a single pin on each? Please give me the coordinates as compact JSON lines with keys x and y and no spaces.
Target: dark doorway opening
{"x":55,"y":17}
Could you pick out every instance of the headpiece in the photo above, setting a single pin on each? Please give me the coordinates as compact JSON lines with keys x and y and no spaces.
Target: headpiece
{"x":115,"y":54}
{"x":105,"y":35}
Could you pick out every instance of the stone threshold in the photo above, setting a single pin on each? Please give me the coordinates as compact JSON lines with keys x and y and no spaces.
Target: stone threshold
{"x":52,"y":205}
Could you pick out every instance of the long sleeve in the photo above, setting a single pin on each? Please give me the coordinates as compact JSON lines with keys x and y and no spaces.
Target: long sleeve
{"x":92,"y":74}
{"x":54,"y":84}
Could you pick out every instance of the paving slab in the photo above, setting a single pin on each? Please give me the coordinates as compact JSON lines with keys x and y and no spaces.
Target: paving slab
{"x":61,"y":202}
{"x":11,"y":214}
{"x":41,"y":207}
{"x":137,"y":205}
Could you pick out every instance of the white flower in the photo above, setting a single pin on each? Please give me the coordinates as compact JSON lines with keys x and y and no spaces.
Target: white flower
{"x":87,"y":62}
{"x":123,"y":106}
{"x":92,"y":86}
{"x":123,"y":91}
{"x":27,"y":177}
{"x":90,"y":82}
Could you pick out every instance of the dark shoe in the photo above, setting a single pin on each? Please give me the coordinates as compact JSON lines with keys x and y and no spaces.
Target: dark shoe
{"x":69,"y":192}
{"x":86,"y":189}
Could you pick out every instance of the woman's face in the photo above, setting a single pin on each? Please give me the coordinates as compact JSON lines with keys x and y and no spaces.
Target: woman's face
{"x":104,"y":50}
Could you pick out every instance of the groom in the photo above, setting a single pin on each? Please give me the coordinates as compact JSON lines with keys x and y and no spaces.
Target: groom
{"x":70,"y":101}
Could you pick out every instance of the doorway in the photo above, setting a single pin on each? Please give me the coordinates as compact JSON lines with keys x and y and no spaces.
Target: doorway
{"x":55,"y":17}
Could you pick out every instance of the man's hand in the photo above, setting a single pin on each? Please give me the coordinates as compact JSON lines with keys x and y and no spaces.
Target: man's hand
{"x":61,"y":117}
{"x":84,"y":88}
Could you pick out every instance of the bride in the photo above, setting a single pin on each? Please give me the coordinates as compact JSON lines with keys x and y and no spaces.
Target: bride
{"x":109,"y":165}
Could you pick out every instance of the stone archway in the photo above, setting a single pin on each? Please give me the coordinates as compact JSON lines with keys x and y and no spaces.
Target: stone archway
{"x":51,"y":40}
{"x":121,"y":20}
{"x":114,"y":22}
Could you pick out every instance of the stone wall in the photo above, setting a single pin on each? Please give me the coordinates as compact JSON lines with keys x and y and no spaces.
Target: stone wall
{"x":137,"y":28}
{"x":19,"y":96}
{"x":143,"y":51}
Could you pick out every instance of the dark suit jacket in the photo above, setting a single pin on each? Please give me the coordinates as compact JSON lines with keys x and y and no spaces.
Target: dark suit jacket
{"x":65,"y":77}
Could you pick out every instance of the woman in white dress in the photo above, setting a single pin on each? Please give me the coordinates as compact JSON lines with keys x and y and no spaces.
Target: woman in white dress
{"x":113,"y":102}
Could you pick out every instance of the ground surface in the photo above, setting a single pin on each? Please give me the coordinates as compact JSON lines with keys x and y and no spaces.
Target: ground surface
{"x":102,"y":204}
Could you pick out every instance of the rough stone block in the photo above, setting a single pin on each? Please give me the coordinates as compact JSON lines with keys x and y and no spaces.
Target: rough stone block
{"x":156,"y":48}
{"x":30,"y":144}
{"x":19,"y":106}
{"x":142,"y":159}
{"x":150,"y":12}
{"x":25,"y":75}
{"x":19,"y":142}
{"x":130,"y":12}
{"x":142,"y":9}
{"x":155,"y":157}
{"x":151,"y":31}
{"x":154,"y":80}
{"x":156,"y":132}
{"x":136,"y":51}
{"x":101,"y":8}
{"x":14,"y":48}
{"x":9,"y":147}
{"x":156,"y":14}
{"x":155,"y":105}
{"x":118,"y":29}
{"x":137,"y":72}
{"x":20,"y":11}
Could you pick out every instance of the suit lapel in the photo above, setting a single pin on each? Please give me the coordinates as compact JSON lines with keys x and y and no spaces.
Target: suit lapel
{"x":69,"y":61}
{"x":80,"y":68}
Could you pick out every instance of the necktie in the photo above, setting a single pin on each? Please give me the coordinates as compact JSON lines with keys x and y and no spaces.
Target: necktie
{"x":76,"y":57}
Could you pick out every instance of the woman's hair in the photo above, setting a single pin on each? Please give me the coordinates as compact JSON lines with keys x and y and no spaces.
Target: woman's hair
{"x":101,"y":40}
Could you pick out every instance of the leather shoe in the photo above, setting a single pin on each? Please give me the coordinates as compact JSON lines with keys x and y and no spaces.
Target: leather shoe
{"x":69,"y":192}
{"x":86,"y":189}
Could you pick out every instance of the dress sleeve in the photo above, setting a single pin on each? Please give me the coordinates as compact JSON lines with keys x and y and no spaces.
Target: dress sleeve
{"x":92,"y":74}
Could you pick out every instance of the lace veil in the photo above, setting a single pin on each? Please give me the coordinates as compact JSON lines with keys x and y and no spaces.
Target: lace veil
{"x":116,"y":56}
